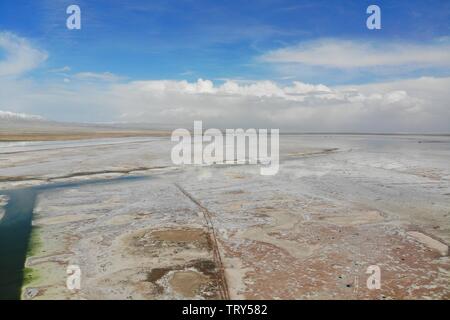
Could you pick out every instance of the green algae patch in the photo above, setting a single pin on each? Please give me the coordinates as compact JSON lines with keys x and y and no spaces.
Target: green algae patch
{"x":30,"y":275}
{"x":15,"y":231}
{"x":35,"y":244}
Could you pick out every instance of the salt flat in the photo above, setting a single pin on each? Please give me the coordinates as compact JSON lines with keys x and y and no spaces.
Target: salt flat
{"x":339,"y":204}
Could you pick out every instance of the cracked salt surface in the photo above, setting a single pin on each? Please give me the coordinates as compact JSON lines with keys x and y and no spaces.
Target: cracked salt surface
{"x":307,"y":232}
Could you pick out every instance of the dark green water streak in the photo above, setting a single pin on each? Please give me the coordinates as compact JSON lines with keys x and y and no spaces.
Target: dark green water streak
{"x":15,"y":231}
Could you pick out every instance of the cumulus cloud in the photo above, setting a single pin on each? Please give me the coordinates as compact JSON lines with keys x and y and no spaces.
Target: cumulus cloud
{"x":20,"y":55}
{"x":416,"y":105}
{"x":260,"y":89}
{"x":363,"y":54}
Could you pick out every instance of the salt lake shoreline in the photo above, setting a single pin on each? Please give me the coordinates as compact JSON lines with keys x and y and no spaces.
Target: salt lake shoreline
{"x":318,"y":222}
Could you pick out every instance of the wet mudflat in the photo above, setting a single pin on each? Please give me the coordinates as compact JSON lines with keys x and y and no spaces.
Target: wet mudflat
{"x":338,"y":205}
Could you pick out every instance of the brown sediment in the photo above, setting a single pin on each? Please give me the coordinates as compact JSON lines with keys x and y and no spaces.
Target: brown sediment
{"x":317,"y":249}
{"x":183,"y":235}
{"x":338,"y":269}
{"x":123,"y":171}
{"x":313,"y":153}
{"x":188,"y":283}
{"x":61,"y":136}
{"x":263,"y":239}
{"x":222,"y":281}
{"x":21,"y":178}
{"x":197,"y":278}
{"x":149,"y":241}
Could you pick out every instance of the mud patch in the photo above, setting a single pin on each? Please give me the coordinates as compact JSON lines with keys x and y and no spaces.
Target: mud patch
{"x":152,"y":241}
{"x":188,"y":283}
{"x":180,"y":236}
{"x":240,"y":191}
{"x":312,"y":152}
{"x":353,"y":218}
{"x":198,"y":279}
{"x":337,"y":270}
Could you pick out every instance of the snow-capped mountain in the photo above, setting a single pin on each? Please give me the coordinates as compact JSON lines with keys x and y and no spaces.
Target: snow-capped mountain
{"x":7,"y":115}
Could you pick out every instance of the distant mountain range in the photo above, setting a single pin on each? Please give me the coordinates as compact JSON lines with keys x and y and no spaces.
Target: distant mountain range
{"x":20,"y":126}
{"x":11,"y":116}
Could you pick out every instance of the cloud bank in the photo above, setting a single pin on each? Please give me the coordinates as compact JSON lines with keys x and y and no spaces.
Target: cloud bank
{"x":414,"y":105}
{"x":361,"y":54}
{"x":20,"y":55}
{"x":419,"y":105}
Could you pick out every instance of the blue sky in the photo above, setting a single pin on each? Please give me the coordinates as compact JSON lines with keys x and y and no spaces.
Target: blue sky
{"x":299,"y":65}
{"x":208,"y":39}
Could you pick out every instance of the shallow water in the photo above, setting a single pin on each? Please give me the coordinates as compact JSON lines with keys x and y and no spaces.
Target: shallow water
{"x":404,"y":177}
{"x":15,"y":231}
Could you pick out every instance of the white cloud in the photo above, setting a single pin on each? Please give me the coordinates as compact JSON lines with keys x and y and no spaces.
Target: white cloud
{"x":259,"y":89}
{"x":94,"y":76}
{"x":344,"y":54}
{"x":416,"y":105}
{"x":20,"y":55}
{"x":62,"y":70}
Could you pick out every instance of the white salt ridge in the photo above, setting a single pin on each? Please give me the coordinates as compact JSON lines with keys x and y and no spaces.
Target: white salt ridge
{"x":430,"y":242}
